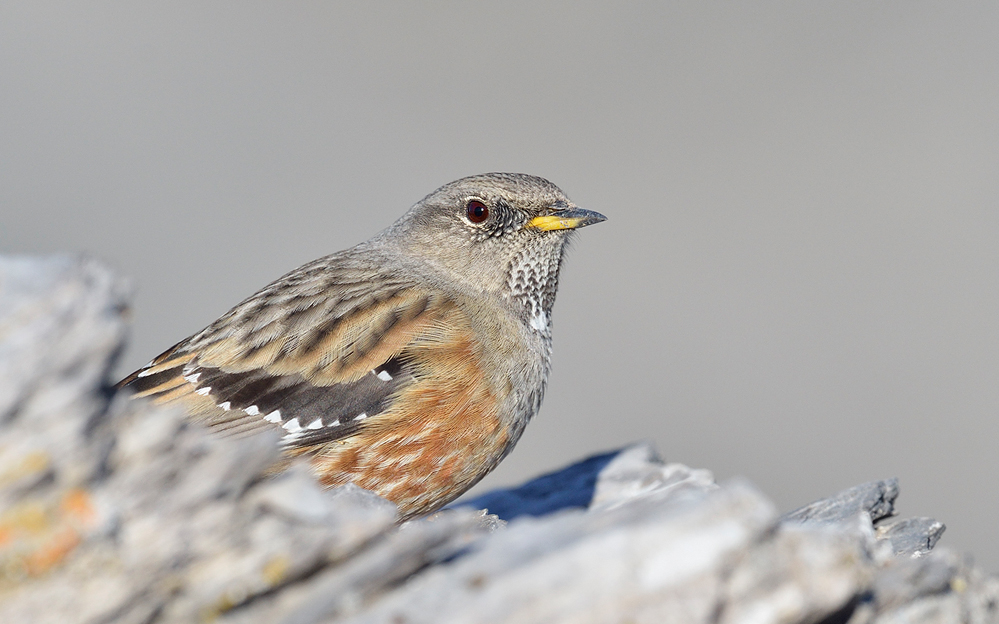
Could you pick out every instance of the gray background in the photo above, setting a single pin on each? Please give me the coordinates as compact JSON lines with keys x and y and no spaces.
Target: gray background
{"x":797,"y":282}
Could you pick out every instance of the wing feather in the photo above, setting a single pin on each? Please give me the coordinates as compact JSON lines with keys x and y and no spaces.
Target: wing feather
{"x":319,"y":353}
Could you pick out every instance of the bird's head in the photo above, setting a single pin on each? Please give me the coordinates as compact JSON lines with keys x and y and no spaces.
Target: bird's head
{"x":502,"y":233}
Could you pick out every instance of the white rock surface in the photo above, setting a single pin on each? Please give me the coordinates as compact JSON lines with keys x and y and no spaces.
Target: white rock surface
{"x":114,"y":512}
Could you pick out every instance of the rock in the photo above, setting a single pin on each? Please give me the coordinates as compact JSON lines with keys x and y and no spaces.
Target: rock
{"x":637,"y":472}
{"x":61,"y":326}
{"x":939,"y":588}
{"x":118,"y":512}
{"x":113,"y":511}
{"x":911,"y":536}
{"x":707,"y":556}
{"x":602,"y":481}
{"x":876,"y":499}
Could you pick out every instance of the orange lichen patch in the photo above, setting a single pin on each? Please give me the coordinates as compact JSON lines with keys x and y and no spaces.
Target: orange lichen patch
{"x":76,"y":505}
{"x":38,"y":535}
{"x":53,"y":551}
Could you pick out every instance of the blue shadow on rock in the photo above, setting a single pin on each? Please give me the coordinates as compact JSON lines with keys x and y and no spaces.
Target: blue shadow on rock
{"x":569,"y":488}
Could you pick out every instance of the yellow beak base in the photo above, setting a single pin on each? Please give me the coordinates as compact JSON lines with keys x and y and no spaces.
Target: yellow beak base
{"x":566,"y":220}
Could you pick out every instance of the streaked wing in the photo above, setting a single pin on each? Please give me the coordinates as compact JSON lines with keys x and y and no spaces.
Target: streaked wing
{"x":317,"y":353}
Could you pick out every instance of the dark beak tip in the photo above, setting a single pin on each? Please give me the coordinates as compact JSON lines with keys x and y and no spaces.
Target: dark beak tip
{"x":591,"y":217}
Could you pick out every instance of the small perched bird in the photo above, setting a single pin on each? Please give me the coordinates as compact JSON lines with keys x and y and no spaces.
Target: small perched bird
{"x":408,"y":364}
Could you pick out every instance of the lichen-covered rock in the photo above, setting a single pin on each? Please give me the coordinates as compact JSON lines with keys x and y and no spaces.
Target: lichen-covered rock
{"x":112,"y":511}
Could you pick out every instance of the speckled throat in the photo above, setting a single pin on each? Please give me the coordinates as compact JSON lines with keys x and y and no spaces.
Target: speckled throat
{"x":533,"y":282}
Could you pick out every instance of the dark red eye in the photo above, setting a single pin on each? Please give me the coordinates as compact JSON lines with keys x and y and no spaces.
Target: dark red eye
{"x":476,"y":211}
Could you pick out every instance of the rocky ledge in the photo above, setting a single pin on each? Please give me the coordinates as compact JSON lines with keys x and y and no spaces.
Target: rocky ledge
{"x":114,"y":511}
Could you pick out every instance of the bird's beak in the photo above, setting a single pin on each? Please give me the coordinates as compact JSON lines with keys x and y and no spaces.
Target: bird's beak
{"x":568,"y":219}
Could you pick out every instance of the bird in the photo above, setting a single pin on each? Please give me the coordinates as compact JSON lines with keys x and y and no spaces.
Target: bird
{"x":409,"y":364}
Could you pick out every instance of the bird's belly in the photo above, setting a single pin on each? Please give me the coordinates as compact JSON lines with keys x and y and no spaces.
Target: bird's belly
{"x":448,"y":438}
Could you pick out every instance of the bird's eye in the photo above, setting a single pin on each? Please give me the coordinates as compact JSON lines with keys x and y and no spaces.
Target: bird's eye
{"x":477,"y":211}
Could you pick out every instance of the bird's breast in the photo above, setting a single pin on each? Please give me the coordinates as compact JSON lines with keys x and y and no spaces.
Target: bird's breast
{"x":476,"y":382}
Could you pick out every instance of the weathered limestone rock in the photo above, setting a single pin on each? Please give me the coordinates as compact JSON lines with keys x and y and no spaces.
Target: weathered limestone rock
{"x":112,"y":511}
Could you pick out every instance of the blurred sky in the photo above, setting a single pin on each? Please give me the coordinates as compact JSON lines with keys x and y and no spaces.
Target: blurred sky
{"x":797,"y":280}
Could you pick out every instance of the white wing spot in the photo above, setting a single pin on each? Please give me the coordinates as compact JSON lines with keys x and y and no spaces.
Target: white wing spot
{"x":384,"y":376}
{"x":203,"y":391}
{"x":316,"y":424}
{"x":225,"y":406}
{"x":145,"y":372}
{"x":252,"y":410}
{"x":292,"y":425}
{"x":361,"y":416}
{"x":335,"y":423}
{"x":274,"y":417}
{"x":192,"y":378}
